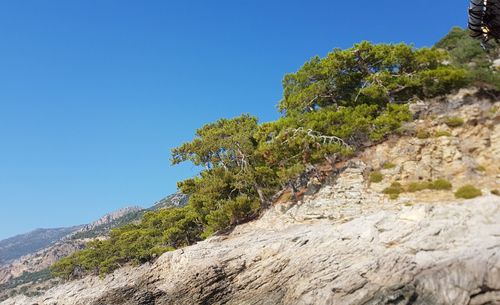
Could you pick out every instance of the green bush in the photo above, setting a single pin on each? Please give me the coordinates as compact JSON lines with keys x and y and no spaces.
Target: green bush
{"x":442,"y":133}
{"x":441,"y":184}
{"x":481,"y":168}
{"x":388,"y":165}
{"x":376,"y":177}
{"x":467,"y":192}
{"x":495,"y":192}
{"x":418,"y":186}
{"x":393,"y":196}
{"x":394,"y":190}
{"x":423,"y":134}
{"x":454,"y":122}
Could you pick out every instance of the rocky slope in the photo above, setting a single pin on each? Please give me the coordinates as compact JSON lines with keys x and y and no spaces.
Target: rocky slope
{"x":423,"y":254}
{"x":348,"y":243}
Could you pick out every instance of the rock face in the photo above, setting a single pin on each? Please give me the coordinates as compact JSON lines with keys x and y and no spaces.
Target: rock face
{"x":174,"y":200}
{"x":347,"y":243}
{"x":444,"y":253}
{"x":463,"y":153}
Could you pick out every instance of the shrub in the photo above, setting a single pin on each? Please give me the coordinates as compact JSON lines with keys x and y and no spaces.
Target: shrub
{"x":442,"y":133}
{"x":467,"y":192}
{"x":454,"y":122}
{"x":388,"y":165}
{"x":393,"y":196}
{"x":481,"y":168}
{"x":418,"y":186}
{"x":394,"y":190}
{"x":423,"y":134}
{"x":495,"y":192}
{"x":376,"y":177}
{"x":441,"y":184}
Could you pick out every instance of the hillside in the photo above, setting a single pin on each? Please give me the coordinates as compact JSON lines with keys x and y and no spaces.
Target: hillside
{"x":350,"y":241}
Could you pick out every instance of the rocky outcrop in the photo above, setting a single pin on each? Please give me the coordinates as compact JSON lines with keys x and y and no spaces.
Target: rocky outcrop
{"x":175,"y":200}
{"x":444,"y":253}
{"x":108,"y":219}
{"x":467,"y":153}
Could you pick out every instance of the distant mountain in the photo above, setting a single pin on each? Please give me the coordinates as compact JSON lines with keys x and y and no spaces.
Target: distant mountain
{"x":109,"y":221}
{"x":174,"y":200}
{"x":23,"y":244}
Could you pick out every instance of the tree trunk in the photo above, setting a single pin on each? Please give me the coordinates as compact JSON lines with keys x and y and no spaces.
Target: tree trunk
{"x":263,"y":201}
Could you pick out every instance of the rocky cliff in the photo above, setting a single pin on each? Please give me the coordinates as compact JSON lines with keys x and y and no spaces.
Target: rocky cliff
{"x":348,"y":242}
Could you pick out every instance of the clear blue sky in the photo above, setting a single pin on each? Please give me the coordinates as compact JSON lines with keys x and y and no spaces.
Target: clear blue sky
{"x":94,"y":94}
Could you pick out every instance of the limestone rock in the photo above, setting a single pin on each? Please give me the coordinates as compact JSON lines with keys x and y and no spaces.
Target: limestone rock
{"x":446,"y":253}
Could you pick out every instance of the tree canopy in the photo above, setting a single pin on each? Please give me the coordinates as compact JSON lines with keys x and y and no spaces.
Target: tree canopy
{"x":369,"y":74}
{"x":467,"y":53}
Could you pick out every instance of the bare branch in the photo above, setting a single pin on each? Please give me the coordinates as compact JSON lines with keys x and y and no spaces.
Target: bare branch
{"x":320,"y":137}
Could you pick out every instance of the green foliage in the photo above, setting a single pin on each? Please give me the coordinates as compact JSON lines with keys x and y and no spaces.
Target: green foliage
{"x":394,"y":196}
{"x":235,"y":182}
{"x":468,"y":54}
{"x":418,"y":186}
{"x":442,"y":133}
{"x":481,"y":168}
{"x":394,"y":190}
{"x":441,"y":184}
{"x":454,"y":122}
{"x":495,"y":192}
{"x":156,"y":233}
{"x":423,"y":134}
{"x":376,"y":177}
{"x":467,"y":192}
{"x":388,"y":165}
{"x":370,"y":74}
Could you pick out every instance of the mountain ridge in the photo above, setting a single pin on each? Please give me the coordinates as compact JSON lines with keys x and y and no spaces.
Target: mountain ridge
{"x":32,"y":241}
